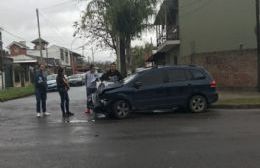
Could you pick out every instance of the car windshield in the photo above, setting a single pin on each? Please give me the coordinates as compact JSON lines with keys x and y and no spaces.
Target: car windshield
{"x":51,"y":77}
{"x":129,"y":78}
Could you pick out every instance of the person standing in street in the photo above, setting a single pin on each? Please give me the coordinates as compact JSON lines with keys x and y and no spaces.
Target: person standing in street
{"x":63,"y":88}
{"x":90,"y":82}
{"x":41,"y":91}
{"x":112,"y":75}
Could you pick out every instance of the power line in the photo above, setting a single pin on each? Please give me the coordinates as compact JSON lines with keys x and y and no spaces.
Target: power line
{"x":59,"y":4}
{"x":57,"y":31}
{"x":54,"y":28}
{"x":13,"y":35}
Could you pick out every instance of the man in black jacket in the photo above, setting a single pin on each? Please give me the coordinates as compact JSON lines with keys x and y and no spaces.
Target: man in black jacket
{"x":41,"y":91}
{"x":113,"y":75}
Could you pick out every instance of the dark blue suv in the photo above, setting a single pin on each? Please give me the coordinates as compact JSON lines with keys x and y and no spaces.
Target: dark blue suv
{"x":189,"y":87}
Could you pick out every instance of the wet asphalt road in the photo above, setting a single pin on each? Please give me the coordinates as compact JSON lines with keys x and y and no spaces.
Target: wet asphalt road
{"x":217,"y":139}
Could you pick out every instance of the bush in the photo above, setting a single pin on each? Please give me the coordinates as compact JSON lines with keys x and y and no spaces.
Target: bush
{"x":14,"y":93}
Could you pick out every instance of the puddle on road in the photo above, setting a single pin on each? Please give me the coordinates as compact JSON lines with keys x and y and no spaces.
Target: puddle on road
{"x":73,"y":121}
{"x":78,"y":121}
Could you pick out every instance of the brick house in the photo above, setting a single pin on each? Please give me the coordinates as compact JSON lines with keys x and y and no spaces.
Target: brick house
{"x":18,"y":48}
{"x":22,"y":65}
{"x":6,"y":65}
{"x":25,"y":60}
{"x":214,"y":34}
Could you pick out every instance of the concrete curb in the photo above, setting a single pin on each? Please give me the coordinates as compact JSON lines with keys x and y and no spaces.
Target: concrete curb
{"x":235,"y":106}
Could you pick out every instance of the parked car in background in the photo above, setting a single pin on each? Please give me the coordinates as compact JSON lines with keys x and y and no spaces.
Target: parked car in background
{"x":161,"y":88}
{"x":76,"y":80}
{"x":51,"y":82}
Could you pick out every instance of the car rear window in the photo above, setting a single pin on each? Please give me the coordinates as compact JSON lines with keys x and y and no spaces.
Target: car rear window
{"x":197,"y":74}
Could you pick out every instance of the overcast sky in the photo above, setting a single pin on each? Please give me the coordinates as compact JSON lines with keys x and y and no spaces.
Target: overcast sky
{"x":18,"y":17}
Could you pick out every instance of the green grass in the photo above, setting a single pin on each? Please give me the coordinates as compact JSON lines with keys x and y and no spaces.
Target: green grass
{"x":240,"y":101}
{"x":14,"y":93}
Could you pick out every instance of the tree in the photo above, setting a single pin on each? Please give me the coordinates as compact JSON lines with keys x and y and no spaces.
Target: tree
{"x":114,"y":23}
{"x":138,"y":53}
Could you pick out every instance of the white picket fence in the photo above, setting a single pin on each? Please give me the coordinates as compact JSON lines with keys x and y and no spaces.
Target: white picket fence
{"x":1,"y":82}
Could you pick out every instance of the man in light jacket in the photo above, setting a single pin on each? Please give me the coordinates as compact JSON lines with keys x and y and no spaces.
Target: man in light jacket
{"x":90,"y":82}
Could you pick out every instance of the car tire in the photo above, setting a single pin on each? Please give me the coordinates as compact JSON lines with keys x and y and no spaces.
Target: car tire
{"x":121,"y":109}
{"x":198,"y":104}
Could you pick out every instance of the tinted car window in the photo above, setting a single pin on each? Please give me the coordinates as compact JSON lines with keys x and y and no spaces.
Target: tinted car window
{"x":188,"y":74}
{"x":152,"y":78}
{"x":176,"y":75}
{"x":196,"y":74}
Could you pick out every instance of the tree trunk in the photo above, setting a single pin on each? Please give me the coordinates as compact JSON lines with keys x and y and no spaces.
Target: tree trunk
{"x":117,"y":43}
{"x":122,"y":55}
{"x":128,"y":53}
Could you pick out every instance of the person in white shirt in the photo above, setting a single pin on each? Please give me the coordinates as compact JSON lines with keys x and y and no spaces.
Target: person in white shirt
{"x":90,"y":82}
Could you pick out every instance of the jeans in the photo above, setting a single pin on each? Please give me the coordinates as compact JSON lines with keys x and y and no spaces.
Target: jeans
{"x":41,"y":97}
{"x":64,"y":97}
{"x":90,"y":91}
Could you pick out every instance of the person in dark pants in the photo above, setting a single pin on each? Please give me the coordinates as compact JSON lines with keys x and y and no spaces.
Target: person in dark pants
{"x":41,"y":91}
{"x":113,"y":75}
{"x":63,"y":87}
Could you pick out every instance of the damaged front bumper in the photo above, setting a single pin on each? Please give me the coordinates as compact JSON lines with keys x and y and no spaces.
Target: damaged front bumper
{"x":100,"y":105}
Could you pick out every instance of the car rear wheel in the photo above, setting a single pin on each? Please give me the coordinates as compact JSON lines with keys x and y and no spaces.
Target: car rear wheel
{"x":198,"y":104}
{"x":121,"y":109}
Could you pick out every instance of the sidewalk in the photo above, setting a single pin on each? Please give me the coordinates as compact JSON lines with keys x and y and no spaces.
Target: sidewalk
{"x":237,"y":99}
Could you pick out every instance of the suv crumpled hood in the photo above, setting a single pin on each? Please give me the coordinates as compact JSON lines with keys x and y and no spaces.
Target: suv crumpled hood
{"x":106,"y":86}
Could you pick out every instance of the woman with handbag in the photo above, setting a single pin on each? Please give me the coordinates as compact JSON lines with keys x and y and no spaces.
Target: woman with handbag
{"x":63,"y":88}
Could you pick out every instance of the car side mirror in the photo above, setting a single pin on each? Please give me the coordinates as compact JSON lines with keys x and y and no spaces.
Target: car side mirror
{"x":138,"y":84}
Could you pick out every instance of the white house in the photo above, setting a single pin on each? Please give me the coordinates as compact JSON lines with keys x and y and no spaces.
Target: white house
{"x":61,"y":53}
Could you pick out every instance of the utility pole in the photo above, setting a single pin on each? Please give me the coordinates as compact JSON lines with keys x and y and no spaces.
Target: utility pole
{"x":39,"y":32}
{"x":2,"y":59}
{"x":258,"y":45}
{"x":93,"y":59}
{"x":83,"y":51}
{"x":47,"y":56}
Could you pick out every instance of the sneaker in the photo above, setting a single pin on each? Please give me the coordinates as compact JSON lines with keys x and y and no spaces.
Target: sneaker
{"x":70,"y":114}
{"x":87,"y":110}
{"x":46,"y":114}
{"x":38,"y":115}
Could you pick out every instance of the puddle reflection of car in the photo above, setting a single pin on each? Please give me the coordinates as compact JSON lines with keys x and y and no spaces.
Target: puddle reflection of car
{"x":76,"y":80}
{"x":163,"y":88}
{"x":51,"y":82}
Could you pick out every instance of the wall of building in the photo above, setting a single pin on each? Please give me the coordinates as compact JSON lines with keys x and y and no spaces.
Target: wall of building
{"x":231,"y":69}
{"x":37,"y":53}
{"x":55,"y":52}
{"x":16,"y":50}
{"x":169,"y":57}
{"x":216,"y":25}
{"x":21,"y":77}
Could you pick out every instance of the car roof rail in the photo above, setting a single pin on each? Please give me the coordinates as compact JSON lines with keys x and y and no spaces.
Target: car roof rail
{"x":193,"y":65}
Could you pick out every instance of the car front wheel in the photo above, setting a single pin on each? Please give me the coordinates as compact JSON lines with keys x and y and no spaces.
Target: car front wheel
{"x":121,"y":109}
{"x":198,"y":104}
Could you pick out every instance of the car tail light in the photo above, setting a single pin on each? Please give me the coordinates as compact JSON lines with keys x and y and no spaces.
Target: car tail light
{"x":213,"y":84}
